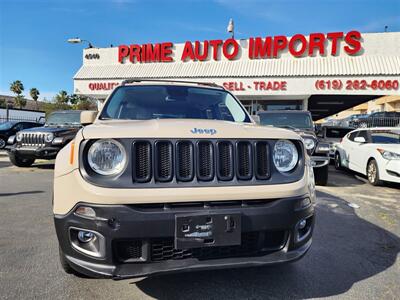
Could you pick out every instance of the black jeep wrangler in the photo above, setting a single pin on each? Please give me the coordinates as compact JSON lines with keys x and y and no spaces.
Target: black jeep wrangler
{"x":300,"y":121}
{"x":44,"y":142}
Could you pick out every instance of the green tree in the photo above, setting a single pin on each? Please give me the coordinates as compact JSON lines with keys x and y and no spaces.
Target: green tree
{"x":34,"y":92}
{"x":20,"y":101}
{"x":62,"y":97}
{"x":3,"y":103}
{"x":17,"y":88}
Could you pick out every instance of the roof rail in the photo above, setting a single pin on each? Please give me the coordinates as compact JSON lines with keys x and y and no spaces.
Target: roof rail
{"x":211,"y":84}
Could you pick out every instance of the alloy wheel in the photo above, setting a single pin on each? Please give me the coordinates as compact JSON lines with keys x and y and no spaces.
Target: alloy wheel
{"x":371,"y":172}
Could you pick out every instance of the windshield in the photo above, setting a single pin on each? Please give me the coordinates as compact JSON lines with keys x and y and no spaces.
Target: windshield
{"x":337,"y":132}
{"x":64,"y":118}
{"x":287,"y":120}
{"x":6,"y":125}
{"x":172,"y":102}
{"x":385,"y":137}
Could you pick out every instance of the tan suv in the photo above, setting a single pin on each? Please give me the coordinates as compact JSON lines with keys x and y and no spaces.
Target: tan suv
{"x":176,"y":176}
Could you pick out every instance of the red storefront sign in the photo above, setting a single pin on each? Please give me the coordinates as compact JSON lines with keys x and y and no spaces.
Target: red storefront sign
{"x":298,"y":45}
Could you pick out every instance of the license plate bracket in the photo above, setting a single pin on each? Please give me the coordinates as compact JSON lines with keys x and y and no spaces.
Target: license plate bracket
{"x":207,"y":230}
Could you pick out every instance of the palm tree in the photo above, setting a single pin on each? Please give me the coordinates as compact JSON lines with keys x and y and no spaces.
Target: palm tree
{"x":20,"y":101}
{"x":17,"y":88}
{"x":34,"y":92}
{"x":62,"y":97}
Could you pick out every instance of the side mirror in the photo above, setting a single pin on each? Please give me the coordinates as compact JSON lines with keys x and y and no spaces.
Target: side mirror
{"x":88,"y":117}
{"x":256,"y":119}
{"x":360,"y":139}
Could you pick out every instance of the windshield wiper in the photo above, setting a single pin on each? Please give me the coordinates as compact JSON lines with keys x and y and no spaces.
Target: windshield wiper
{"x":287,"y":126}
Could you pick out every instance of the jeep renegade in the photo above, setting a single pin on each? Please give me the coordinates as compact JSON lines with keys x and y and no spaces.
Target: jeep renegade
{"x":175,"y":176}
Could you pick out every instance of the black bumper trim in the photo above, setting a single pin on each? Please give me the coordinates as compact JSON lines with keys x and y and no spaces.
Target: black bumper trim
{"x":129,"y":222}
{"x":126,"y":271}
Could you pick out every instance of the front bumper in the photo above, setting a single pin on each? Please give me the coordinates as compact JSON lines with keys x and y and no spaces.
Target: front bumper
{"x":138,"y":239}
{"x":319,"y":161}
{"x":36,"y":153}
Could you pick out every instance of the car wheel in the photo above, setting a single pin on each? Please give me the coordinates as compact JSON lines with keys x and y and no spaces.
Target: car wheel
{"x":2,"y":143}
{"x":20,"y":161}
{"x":373,"y":173}
{"x":321,"y":175}
{"x":338,"y":161}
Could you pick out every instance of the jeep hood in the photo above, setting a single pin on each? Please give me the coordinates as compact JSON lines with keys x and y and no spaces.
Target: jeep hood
{"x":183,"y":128}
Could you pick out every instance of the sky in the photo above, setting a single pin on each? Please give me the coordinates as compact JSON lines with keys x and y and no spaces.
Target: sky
{"x":33,"y":33}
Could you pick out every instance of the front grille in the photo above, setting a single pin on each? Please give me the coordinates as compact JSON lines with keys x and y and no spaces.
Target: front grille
{"x":253,"y":244}
{"x":32,"y":139}
{"x":202,"y":161}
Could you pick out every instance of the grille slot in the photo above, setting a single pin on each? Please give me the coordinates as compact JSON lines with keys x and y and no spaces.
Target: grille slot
{"x":244,"y":161}
{"x":225,"y":160}
{"x":262,"y":161}
{"x":184,"y":161}
{"x":142,"y":162}
{"x":126,"y":251}
{"x":164,"y":161}
{"x":205,"y":161}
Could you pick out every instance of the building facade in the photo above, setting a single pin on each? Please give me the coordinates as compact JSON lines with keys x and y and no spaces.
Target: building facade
{"x":324,"y":73}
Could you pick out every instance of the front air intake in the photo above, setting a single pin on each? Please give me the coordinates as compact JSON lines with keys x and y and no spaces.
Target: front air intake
{"x":244,"y":161}
{"x":142,"y":161}
{"x":184,"y":161}
{"x":225,"y":160}
{"x":205,"y":161}
{"x":164,"y":161}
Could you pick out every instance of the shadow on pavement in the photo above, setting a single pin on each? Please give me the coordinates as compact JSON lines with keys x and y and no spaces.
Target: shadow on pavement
{"x":346,"y":249}
{"x":20,"y":193}
{"x":44,"y":166}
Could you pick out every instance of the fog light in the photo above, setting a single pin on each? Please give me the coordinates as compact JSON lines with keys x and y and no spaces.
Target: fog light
{"x":85,"y":236}
{"x":302,"y":224}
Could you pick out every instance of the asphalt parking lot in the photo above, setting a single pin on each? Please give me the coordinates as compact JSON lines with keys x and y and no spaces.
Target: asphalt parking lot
{"x":354,"y":254}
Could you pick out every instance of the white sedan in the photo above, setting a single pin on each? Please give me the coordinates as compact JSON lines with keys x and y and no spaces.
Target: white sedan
{"x":374,"y":152}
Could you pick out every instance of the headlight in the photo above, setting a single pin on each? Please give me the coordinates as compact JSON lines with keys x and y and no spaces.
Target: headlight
{"x":388,"y":154}
{"x":19,"y":137}
{"x":48,"y":138}
{"x":309,"y":143}
{"x":107,"y":157}
{"x":285,"y":155}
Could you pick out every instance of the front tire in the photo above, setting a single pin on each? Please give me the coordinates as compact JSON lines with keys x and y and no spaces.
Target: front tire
{"x":373,"y":173}
{"x":66,"y":266}
{"x":3,"y":143}
{"x":20,"y":161}
{"x":338,"y":161}
{"x":321,"y":175}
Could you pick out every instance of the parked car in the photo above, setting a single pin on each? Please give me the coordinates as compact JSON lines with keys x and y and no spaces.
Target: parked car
{"x":374,"y":152}
{"x":44,"y":142}
{"x":332,"y":135}
{"x":300,"y":121}
{"x":350,"y":121}
{"x":8,"y":129}
{"x":378,"y":119}
{"x":175,"y":176}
